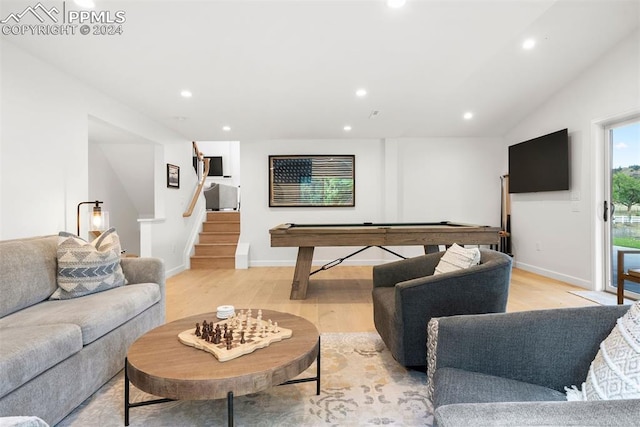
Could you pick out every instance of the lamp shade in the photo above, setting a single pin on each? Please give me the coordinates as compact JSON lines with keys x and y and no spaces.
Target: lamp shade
{"x":99,"y":220}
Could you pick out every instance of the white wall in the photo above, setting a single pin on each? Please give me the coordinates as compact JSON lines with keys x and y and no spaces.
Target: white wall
{"x":45,"y":115}
{"x":43,"y":151}
{"x":105,"y":185}
{"x":230,"y":153}
{"x":565,"y":224}
{"x":396,"y":180}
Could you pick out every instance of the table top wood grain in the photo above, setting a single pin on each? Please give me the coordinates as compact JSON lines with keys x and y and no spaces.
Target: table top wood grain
{"x":159,"y":364}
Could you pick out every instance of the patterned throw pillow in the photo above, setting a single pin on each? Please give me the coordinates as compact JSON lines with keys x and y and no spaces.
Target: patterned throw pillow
{"x":457,"y":258}
{"x":85,"y":268}
{"x":615,"y":371}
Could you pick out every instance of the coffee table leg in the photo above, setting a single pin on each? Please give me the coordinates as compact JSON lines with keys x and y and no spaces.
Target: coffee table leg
{"x":318,"y":370}
{"x":126,"y":394}
{"x":230,"y":408}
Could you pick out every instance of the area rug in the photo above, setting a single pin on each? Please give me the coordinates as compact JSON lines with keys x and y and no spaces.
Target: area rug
{"x":361,"y":385}
{"x":602,"y":298}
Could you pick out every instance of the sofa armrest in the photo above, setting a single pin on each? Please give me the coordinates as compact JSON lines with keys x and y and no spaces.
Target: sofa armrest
{"x":595,"y":413}
{"x":551,"y":348}
{"x":144,"y":270}
{"x":400,"y":271}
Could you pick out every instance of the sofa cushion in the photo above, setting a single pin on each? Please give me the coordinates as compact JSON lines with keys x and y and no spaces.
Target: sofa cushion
{"x":621,"y":413}
{"x":27,"y":272}
{"x":22,"y":422}
{"x":457,"y":258}
{"x":27,"y":351}
{"x":615,"y":371}
{"x":86,"y":268}
{"x":453,"y":385}
{"x":96,"y":314}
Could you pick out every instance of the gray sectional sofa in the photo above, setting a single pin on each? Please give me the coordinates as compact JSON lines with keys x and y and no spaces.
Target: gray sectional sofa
{"x":56,"y":353}
{"x":512,"y":369}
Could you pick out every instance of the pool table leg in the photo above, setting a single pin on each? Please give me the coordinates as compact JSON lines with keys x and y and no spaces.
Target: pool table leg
{"x":431,"y":249}
{"x":301,"y":274}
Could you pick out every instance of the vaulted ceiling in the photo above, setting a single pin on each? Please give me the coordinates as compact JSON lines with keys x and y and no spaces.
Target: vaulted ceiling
{"x":273,"y":69}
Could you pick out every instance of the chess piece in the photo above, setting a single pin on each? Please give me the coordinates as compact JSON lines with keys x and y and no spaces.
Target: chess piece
{"x":242,"y":341}
{"x":198,"y":333}
{"x":217,"y":335}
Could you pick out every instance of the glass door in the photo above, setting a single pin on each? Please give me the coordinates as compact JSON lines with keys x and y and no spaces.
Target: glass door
{"x":622,"y":208}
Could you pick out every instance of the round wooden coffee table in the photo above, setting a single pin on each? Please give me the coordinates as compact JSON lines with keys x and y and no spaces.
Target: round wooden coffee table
{"x":159,"y":364}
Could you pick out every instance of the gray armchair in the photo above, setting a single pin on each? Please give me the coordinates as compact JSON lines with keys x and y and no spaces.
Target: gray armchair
{"x":406,"y":295}
{"x":220,"y":197}
{"x":510,"y":369}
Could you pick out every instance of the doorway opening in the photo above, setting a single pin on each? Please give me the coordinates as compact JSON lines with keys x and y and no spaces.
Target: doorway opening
{"x":622,"y":212}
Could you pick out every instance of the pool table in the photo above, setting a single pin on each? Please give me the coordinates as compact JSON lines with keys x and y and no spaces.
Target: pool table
{"x":427,"y":234}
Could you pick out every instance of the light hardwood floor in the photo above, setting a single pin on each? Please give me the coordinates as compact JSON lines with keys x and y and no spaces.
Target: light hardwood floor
{"x":338,"y":300}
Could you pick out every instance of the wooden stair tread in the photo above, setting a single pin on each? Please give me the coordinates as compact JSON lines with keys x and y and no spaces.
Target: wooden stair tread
{"x":220,"y":233}
{"x":218,"y":241}
{"x":212,"y":256}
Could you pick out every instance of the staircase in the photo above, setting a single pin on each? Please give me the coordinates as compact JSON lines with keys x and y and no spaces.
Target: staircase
{"x":218,"y":241}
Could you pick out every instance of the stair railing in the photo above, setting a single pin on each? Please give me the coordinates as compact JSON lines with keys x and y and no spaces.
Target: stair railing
{"x":200,"y":186}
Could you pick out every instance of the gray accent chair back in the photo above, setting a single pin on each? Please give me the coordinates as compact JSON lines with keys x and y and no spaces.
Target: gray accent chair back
{"x":406,"y":295}
{"x":221,"y":196}
{"x":511,"y":369}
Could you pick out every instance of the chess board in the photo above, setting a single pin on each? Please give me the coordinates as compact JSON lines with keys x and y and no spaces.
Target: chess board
{"x":258,"y":333}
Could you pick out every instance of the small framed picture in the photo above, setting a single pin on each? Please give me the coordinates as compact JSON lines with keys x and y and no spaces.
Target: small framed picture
{"x":173,"y":176}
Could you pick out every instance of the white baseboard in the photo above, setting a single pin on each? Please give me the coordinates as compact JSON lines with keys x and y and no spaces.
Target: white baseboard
{"x":555,"y":275}
{"x":175,"y":270}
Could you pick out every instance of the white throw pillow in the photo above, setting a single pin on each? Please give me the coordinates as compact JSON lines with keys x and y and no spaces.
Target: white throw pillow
{"x":457,"y":258}
{"x":615,"y":371}
{"x":86,"y":268}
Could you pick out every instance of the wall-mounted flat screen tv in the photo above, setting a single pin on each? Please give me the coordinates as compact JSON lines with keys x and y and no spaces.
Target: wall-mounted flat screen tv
{"x":215,"y":165}
{"x":540,"y":164}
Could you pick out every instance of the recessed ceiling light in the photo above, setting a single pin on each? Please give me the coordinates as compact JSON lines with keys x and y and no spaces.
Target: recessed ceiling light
{"x":361,"y":92}
{"x":468,"y":115}
{"x":395,"y":4}
{"x":186,"y":94}
{"x":528,"y":44}
{"x":180,"y":118}
{"x":347,"y":128}
{"x":226,"y":128}
{"x":88,"y":4}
